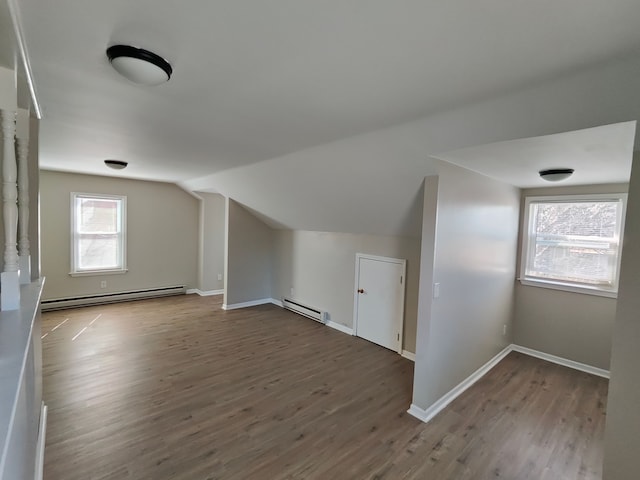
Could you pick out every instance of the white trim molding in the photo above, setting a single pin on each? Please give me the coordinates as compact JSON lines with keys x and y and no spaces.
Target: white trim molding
{"x":252,"y":303}
{"x":427,"y":414}
{"x":340,"y":327}
{"x":205,"y":293}
{"x":455,"y":392}
{"x":42,"y":436}
{"x":409,"y":355}
{"x":561,"y":361}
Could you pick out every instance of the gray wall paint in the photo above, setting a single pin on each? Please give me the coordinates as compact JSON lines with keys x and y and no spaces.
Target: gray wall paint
{"x":320,"y":268}
{"x":570,"y":325}
{"x":475,"y":250}
{"x":212,"y":238}
{"x":621,"y":460}
{"x":249,"y":249}
{"x":162,"y":234}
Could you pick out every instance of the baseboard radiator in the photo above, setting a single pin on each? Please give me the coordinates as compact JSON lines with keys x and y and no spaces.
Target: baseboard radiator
{"x":87,"y":300}
{"x":310,"y":312}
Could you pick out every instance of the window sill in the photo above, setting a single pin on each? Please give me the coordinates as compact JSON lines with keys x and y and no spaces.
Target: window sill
{"x":568,"y":287}
{"x":94,"y":273}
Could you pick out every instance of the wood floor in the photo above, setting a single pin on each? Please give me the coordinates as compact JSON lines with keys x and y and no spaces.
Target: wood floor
{"x":176,"y":388}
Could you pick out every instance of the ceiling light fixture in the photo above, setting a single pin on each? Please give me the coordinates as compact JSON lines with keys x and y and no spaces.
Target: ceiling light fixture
{"x":116,"y":164}
{"x":139,"y":65}
{"x":556,"y":174}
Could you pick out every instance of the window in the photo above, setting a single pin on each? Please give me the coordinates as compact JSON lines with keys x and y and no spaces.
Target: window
{"x":573,"y":242}
{"x":98,"y":231}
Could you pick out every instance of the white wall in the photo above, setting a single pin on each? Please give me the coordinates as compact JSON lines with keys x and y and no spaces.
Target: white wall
{"x":320,"y":268}
{"x":570,"y":325}
{"x":212,"y":239}
{"x":621,"y":459}
{"x":162,"y":235}
{"x":248,"y":262}
{"x":474,"y":226}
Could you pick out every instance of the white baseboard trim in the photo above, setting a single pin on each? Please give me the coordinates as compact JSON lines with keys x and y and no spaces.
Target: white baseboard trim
{"x":277,"y":302}
{"x":410,"y":355}
{"x":204,"y":293}
{"x":455,"y":392}
{"x":561,"y":361}
{"x":42,"y":435}
{"x":446,"y":399}
{"x":252,"y":303}
{"x":340,"y":327}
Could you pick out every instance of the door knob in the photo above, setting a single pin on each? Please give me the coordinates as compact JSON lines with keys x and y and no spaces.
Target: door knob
{"x":361,"y":290}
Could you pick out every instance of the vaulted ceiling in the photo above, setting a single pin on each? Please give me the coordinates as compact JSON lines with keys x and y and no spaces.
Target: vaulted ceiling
{"x":269,"y":88}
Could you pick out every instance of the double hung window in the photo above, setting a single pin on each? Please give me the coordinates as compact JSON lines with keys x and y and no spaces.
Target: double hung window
{"x":573,"y":242}
{"x":98,"y":234}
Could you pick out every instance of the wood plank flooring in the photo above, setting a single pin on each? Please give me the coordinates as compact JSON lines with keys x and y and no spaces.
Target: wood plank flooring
{"x":176,"y":388}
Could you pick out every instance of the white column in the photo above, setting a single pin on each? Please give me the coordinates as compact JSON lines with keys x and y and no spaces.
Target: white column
{"x":10,"y":279}
{"x":22,"y":148}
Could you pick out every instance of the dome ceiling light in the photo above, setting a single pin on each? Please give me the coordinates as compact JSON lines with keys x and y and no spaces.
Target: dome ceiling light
{"x":556,"y":174}
{"x":116,"y":164}
{"x":139,"y":65}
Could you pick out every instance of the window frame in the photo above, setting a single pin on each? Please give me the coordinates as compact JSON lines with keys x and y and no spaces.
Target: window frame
{"x":527,"y":246}
{"x":74,"y":236}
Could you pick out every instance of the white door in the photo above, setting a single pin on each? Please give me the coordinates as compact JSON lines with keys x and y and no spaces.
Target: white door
{"x":379,"y":300}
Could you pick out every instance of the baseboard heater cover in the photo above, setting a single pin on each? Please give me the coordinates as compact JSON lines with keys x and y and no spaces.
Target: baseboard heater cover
{"x":87,"y":300}
{"x":310,"y":312}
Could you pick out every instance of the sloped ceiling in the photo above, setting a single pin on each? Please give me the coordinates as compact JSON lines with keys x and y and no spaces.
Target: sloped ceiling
{"x":333,"y":107}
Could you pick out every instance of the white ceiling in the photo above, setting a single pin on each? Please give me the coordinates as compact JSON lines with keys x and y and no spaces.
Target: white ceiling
{"x":256,"y":80}
{"x":327,"y":115}
{"x":598,"y":155}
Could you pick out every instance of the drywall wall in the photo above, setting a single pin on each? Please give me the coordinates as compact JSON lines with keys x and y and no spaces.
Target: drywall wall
{"x":212,"y":238}
{"x":476,"y":230}
{"x":162,"y":235}
{"x":318,"y":269}
{"x":570,"y":325}
{"x":621,"y":459}
{"x":248,"y":260}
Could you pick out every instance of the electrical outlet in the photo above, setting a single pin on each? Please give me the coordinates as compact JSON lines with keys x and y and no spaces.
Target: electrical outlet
{"x":504,"y":329}
{"x":436,"y":290}
{"x":291,"y":291}
{"x":219,"y":276}
{"x":103,"y":284}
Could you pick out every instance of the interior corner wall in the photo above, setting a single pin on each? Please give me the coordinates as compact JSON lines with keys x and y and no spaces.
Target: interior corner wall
{"x":162,"y":235}
{"x":318,"y":269}
{"x":570,"y":325}
{"x":248,"y":262}
{"x":212,"y":239}
{"x":621,"y":460}
{"x":474,"y":256}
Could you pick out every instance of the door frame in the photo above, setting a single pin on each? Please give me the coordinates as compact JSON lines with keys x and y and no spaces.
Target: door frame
{"x":400,"y":321}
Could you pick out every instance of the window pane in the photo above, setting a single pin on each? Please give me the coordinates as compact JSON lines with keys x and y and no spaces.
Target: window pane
{"x":575,"y":242}
{"x":98,"y":251}
{"x":98,"y":215}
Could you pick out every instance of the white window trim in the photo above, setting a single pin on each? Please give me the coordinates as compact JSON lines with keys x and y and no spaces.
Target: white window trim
{"x":611,"y":292}
{"x":104,"y":271}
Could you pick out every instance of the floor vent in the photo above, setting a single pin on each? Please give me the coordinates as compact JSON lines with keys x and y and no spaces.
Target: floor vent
{"x":87,"y":300}
{"x":311,"y":312}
